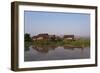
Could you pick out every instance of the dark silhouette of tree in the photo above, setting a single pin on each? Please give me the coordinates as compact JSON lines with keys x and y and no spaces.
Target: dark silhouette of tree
{"x":53,"y":38}
{"x":27,"y":37}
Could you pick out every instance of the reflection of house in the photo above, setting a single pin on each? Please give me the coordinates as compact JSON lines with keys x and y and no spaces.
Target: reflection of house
{"x":44,"y":49}
{"x":68,"y":37}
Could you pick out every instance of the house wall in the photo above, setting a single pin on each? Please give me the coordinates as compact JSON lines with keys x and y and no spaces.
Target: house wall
{"x":40,"y":38}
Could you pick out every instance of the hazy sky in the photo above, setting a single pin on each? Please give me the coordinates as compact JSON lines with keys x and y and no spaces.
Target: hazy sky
{"x":57,"y":23}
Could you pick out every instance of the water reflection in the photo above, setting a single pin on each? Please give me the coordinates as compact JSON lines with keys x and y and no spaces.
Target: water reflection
{"x":47,"y":52}
{"x":43,"y":49}
{"x":46,"y":48}
{"x":27,"y":48}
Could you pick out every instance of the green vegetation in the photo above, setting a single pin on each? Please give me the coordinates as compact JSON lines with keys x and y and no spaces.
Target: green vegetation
{"x":71,"y":43}
{"x":78,"y":43}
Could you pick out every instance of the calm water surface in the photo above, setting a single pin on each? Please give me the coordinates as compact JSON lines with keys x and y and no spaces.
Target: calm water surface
{"x":32,"y":53}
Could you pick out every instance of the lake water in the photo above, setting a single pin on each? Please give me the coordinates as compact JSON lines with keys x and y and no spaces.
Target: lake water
{"x":55,"y":53}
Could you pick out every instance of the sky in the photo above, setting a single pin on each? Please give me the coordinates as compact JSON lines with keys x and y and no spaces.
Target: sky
{"x":57,"y":23}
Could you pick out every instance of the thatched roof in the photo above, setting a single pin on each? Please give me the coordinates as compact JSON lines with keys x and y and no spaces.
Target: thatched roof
{"x":41,"y":35}
{"x":68,"y":36}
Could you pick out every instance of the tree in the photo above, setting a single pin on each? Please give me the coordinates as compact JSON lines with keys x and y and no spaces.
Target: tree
{"x":27,"y":37}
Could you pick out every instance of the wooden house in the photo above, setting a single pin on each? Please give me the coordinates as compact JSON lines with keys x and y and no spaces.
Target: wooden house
{"x":41,"y":37}
{"x":68,"y":37}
